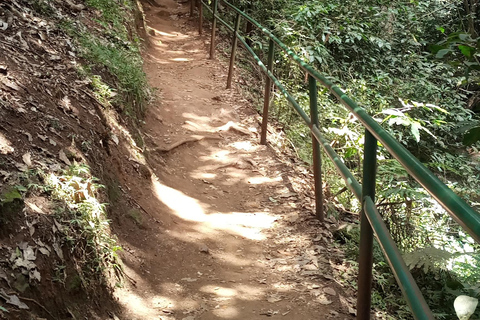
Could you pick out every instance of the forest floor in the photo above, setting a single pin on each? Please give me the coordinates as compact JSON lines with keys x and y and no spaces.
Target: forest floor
{"x":230,"y":231}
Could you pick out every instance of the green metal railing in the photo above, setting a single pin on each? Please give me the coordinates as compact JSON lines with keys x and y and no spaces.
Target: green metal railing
{"x":371,"y":222}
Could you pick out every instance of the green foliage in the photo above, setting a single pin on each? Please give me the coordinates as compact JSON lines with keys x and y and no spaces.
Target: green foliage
{"x":83,"y":217}
{"x":413,"y":65}
{"x":125,"y":65}
{"x":10,"y":195}
{"x":115,"y":48}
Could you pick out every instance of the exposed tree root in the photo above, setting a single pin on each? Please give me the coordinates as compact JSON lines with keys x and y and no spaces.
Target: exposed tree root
{"x":36,"y":302}
{"x":229,"y":126}
{"x":181,"y":142}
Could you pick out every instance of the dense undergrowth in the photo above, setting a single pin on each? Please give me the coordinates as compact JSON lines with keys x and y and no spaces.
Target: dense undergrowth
{"x":414,"y":66}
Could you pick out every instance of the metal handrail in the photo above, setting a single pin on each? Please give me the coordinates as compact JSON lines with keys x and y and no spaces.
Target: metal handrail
{"x":468,"y":218}
{"x":371,"y":220}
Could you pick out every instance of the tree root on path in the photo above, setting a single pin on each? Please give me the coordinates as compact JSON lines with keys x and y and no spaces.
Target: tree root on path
{"x":181,"y":142}
{"x":229,"y":126}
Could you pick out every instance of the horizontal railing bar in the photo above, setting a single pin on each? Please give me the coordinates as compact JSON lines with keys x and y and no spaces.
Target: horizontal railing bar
{"x":287,"y":95}
{"x":407,"y":284}
{"x":468,"y":218}
{"x":229,"y":27}
{"x":403,"y":276}
{"x":207,"y":6}
{"x":350,"y":180}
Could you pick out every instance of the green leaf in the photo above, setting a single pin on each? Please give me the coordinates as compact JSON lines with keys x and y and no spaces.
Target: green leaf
{"x":434,"y":48}
{"x":21,"y":188}
{"x":463,"y":36}
{"x":415,"y":129}
{"x":473,"y":65}
{"x":441,"y":53}
{"x":467,"y":51}
{"x":350,"y":152}
{"x":10,"y":195}
{"x":472,"y":136}
{"x":3,"y":309}
{"x":441,"y":29}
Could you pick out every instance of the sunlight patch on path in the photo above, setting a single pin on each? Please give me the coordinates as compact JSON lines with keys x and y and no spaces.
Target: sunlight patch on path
{"x":248,"y":225}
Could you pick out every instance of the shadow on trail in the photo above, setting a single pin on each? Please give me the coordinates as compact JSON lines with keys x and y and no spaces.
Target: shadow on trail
{"x":219,"y":236}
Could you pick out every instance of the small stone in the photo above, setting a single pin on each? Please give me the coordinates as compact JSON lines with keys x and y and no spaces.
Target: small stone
{"x":204,"y":249}
{"x":329,"y":291}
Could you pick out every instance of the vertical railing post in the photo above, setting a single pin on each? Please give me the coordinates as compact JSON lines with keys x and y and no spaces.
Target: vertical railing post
{"x":317,"y":157}
{"x":192,"y":7}
{"x":234,"y":51}
{"x":200,"y":17}
{"x":366,"y":232}
{"x":268,"y":89}
{"x":214,"y":27}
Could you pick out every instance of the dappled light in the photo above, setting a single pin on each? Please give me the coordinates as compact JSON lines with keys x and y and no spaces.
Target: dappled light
{"x":5,"y":145}
{"x":152,"y":168}
{"x":247,"y":225}
{"x":180,"y":59}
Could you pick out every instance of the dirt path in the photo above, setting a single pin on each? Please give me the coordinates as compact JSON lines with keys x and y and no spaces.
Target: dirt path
{"x":228,"y":233}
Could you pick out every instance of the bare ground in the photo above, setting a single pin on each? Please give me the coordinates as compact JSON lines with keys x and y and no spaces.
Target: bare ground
{"x":226,"y":230}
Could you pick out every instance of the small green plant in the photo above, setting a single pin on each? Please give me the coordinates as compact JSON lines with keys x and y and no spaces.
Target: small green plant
{"x":136,"y":216}
{"x":43,"y":7}
{"x":102,"y":91}
{"x":84,"y":219}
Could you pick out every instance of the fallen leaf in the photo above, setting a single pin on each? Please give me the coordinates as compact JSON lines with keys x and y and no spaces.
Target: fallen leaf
{"x":58,"y":250}
{"x":20,"y":166}
{"x":115,"y":139}
{"x":323,"y":300}
{"x":10,"y":84}
{"x":29,"y":254}
{"x":3,"y":25}
{"x":31,"y":228}
{"x":64,"y":158}
{"x":34,"y":274}
{"x":44,"y":251}
{"x":329,"y":291}
{"x":14,"y":300}
{"x":3,"y":275}
{"x":274,"y":298}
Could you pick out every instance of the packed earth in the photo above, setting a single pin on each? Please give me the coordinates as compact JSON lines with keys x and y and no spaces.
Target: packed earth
{"x":230,"y":231}
{"x":212,"y":225}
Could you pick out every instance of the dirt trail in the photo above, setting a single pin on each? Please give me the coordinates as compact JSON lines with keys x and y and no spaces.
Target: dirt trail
{"x":221,"y":239}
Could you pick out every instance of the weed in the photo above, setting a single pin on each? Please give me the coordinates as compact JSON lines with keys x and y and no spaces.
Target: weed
{"x":136,"y":216}
{"x":43,"y":7}
{"x":103,"y":92}
{"x":85,"y":225}
{"x":125,"y":65}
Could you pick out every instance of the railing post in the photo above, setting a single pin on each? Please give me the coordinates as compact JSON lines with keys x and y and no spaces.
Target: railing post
{"x":234,"y":51}
{"x":200,"y":17}
{"x":268,"y":89}
{"x":214,"y":27}
{"x":364,"y":294}
{"x":317,"y":156}
{"x":192,"y":7}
